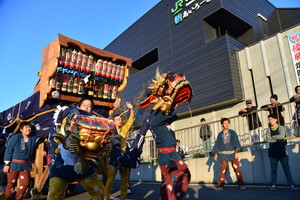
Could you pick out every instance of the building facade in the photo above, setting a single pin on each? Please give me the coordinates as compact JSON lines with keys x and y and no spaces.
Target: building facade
{"x":202,"y":39}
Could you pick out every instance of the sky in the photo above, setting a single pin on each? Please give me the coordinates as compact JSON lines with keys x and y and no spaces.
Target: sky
{"x":28,"y":26}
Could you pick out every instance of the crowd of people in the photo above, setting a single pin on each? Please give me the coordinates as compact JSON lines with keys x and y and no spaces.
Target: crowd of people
{"x":20,"y":149}
{"x":65,"y":167}
{"x":227,"y":144}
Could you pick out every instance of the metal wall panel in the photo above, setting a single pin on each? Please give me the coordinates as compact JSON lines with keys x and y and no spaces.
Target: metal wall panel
{"x":289,"y":17}
{"x":248,"y":10}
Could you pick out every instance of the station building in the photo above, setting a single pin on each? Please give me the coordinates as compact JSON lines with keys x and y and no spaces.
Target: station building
{"x":229,"y":50}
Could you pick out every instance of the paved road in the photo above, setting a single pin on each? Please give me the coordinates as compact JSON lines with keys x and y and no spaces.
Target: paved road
{"x":150,"y":191}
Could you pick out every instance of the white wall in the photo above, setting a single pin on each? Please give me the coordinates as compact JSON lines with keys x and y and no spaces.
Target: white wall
{"x":255,"y":167}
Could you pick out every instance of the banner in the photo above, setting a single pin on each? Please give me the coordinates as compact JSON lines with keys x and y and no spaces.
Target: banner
{"x":294,"y":43}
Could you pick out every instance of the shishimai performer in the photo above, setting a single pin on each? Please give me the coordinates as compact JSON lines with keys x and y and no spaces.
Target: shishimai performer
{"x":167,"y":92}
{"x":81,"y":138}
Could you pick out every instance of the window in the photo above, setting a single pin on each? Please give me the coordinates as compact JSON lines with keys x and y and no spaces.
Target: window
{"x":223,"y":22}
{"x":144,"y":62}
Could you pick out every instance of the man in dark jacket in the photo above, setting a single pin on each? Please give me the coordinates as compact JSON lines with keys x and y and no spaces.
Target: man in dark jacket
{"x":275,"y":108}
{"x":254,"y":123}
{"x":205,"y":134}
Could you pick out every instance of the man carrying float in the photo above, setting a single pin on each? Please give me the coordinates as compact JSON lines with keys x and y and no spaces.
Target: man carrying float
{"x":81,"y":138}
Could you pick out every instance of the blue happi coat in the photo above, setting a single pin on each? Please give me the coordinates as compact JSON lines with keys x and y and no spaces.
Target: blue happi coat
{"x":16,"y":149}
{"x":221,"y":145}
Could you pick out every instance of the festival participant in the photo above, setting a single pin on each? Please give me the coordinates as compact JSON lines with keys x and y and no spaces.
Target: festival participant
{"x":169,"y":160}
{"x":254,"y":123}
{"x":69,"y":167}
{"x":158,"y":121}
{"x":3,"y":177}
{"x":120,"y":133}
{"x":277,"y":152}
{"x":205,"y":134}
{"x":180,"y":149}
{"x":275,"y":108}
{"x":19,"y":151}
{"x":296,"y":98}
{"x":227,"y":146}
{"x":128,"y":147}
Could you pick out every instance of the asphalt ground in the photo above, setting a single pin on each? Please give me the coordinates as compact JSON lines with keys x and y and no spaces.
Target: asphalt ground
{"x":150,"y":191}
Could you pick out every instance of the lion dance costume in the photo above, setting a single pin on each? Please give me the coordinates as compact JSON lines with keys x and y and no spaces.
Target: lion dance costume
{"x":167,"y":92}
{"x":81,"y":139}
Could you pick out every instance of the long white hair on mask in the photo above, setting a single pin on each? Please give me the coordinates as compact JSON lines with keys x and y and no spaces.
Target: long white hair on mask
{"x":157,"y":81}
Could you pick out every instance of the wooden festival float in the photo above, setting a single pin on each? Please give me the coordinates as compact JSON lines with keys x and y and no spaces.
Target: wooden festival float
{"x":70,"y":71}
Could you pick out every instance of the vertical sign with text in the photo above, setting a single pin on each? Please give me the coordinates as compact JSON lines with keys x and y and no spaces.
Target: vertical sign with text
{"x":294,"y":43}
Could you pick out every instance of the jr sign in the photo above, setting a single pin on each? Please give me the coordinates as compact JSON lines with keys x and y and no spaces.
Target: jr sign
{"x":184,"y":8}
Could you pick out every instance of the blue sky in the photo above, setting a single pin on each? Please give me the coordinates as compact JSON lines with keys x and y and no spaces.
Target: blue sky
{"x":28,"y":26}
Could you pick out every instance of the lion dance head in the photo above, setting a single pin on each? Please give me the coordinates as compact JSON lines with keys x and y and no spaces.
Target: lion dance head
{"x":81,"y":132}
{"x":168,"y":90}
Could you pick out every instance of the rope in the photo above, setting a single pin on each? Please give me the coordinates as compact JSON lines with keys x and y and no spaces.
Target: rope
{"x":28,"y":120}
{"x":97,"y":114}
{"x":35,"y":116}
